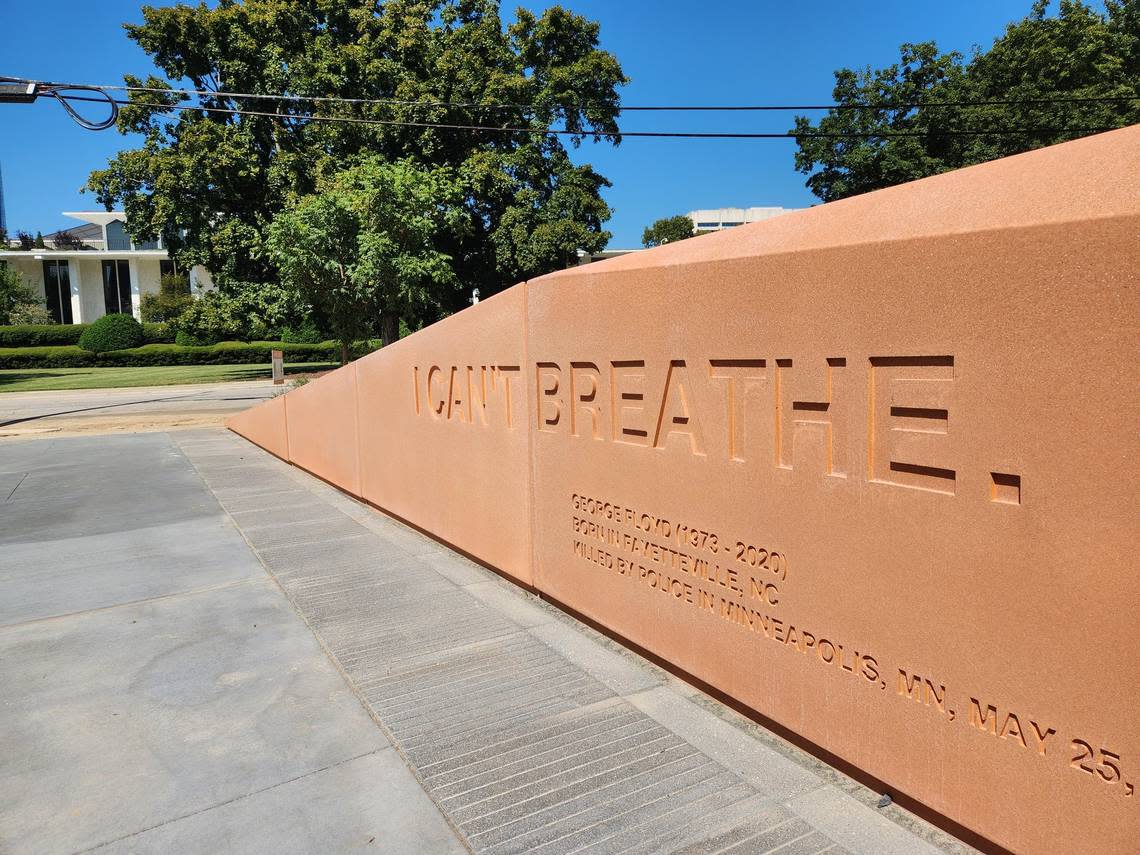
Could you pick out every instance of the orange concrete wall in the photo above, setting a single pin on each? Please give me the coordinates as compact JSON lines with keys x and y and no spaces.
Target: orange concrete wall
{"x":323,"y":431}
{"x":444,"y":441}
{"x":867,"y":468}
{"x":264,"y":424}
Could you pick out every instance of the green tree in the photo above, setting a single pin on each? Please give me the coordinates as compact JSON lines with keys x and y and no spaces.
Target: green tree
{"x":39,"y":244}
{"x":365,"y":249}
{"x":667,"y":230}
{"x":17,"y":301}
{"x":172,"y":299}
{"x":1079,"y":53}
{"x":211,"y":183}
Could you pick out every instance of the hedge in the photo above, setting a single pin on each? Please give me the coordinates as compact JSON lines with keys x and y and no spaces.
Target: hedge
{"x":158,"y":334}
{"x":225,"y":353}
{"x":116,"y":331}
{"x":41,"y":335}
{"x":54,"y":335}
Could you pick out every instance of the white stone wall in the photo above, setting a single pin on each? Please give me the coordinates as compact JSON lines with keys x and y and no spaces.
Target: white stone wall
{"x":90,"y":288}
{"x":146,"y":277}
{"x":31,"y":270}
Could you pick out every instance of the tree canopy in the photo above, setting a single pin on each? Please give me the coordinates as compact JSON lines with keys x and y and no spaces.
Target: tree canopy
{"x":1079,"y":53}
{"x":366,"y":246}
{"x":211,"y":183}
{"x":667,"y":230}
{"x":17,"y":301}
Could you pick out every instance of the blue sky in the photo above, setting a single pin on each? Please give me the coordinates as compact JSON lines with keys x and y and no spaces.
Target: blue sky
{"x":675,"y":52}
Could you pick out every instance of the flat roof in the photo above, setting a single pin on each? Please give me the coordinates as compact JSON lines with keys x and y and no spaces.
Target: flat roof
{"x":97,"y":218}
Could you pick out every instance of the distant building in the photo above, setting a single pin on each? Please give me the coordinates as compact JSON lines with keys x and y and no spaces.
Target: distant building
{"x":95,"y":269}
{"x":715,"y":219}
{"x":705,"y":220}
{"x":587,"y":257}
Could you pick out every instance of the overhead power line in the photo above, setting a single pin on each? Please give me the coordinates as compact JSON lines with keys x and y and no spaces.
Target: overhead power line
{"x":360,"y":120}
{"x":15,"y":90}
{"x":24,"y":91}
{"x":395,"y":102}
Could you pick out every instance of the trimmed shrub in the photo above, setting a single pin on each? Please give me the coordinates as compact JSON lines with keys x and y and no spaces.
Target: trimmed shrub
{"x":112,"y":332}
{"x":158,"y":334}
{"x":59,"y":356}
{"x":40,"y":335}
{"x":48,"y":335}
{"x":226,"y":353}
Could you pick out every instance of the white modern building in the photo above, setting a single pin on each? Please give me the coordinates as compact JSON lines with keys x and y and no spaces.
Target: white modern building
{"x":714,"y":219}
{"x":704,"y":220}
{"x":95,"y":269}
{"x":588,"y":257}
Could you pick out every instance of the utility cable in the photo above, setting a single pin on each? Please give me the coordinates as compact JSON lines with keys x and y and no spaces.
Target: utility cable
{"x":19,"y":90}
{"x":395,"y":102}
{"x":208,"y":93}
{"x":600,"y":133}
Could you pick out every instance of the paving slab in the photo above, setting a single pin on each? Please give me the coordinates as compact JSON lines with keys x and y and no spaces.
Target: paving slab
{"x":93,"y":518}
{"x":160,"y":694}
{"x":531,"y":732}
{"x":207,"y":650}
{"x":368,"y":804}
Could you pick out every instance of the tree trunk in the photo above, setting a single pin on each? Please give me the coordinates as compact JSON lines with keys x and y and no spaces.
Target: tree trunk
{"x":345,"y":356}
{"x":389,"y":329}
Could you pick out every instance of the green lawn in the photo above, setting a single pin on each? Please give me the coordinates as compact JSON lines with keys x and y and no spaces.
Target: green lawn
{"x":53,"y":379}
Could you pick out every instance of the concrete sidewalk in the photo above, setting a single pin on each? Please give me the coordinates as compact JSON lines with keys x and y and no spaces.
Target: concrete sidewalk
{"x":162,"y":692}
{"x":131,"y":409}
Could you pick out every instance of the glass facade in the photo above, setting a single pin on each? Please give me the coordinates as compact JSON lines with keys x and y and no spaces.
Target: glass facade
{"x":117,"y":237}
{"x":57,"y":291}
{"x":117,"y":286}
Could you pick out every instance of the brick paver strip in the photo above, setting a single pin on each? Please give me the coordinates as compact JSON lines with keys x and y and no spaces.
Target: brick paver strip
{"x":523,"y":750}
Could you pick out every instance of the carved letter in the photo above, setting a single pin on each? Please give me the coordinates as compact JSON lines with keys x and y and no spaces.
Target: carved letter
{"x":799,"y":411}
{"x":508,"y":373}
{"x":983,"y":720}
{"x":1012,"y":729}
{"x":1040,"y":736}
{"x":548,"y":380}
{"x":585,"y":386}
{"x":437,"y":399}
{"x":750,"y":373}
{"x":477,"y":394}
{"x":908,"y":422}
{"x":627,"y":384}
{"x":677,"y":414}
{"x":455,"y":395}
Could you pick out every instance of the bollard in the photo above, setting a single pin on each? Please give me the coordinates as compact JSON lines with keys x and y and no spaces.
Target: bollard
{"x":278,"y":367}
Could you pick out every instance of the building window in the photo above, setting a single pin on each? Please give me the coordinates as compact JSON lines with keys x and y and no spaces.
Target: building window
{"x":730,"y":225}
{"x":117,"y":237}
{"x":167,"y":267}
{"x":117,"y":287}
{"x":708,"y":225}
{"x":57,"y":291}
